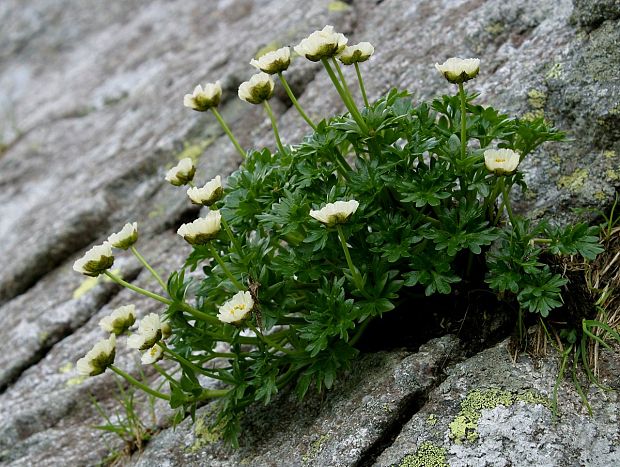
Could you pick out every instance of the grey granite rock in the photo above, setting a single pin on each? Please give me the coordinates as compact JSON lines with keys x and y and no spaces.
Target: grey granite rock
{"x":340,"y":429}
{"x":91,"y":116}
{"x":496,"y":412}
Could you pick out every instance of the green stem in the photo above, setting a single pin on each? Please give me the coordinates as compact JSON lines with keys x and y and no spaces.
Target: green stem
{"x":350,"y":106}
{"x":165,"y":374}
{"x":359,"y":332}
{"x":137,"y":289}
{"x":463,"y":133}
{"x":291,"y":96}
{"x":228,"y":132}
{"x":361,"y":83}
{"x":210,"y":394}
{"x":199,"y":314}
{"x":274,"y":126}
{"x":268,"y":341}
{"x":148,"y":266}
{"x":354,"y":272}
{"x":224,"y":268}
{"x":179,"y":358}
{"x":138,"y":384}
{"x":231,"y":237}
{"x":506,"y":197}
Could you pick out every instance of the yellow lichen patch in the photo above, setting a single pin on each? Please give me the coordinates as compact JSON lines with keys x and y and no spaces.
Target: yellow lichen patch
{"x":158,"y":211}
{"x":609,"y":154}
{"x":66,"y":368}
{"x":75,"y":380}
{"x":465,"y":424}
{"x":204,"y":435}
{"x":314,"y":449}
{"x":533,"y":115}
{"x":495,"y":29}
{"x":87,"y":284}
{"x":600,"y":196}
{"x":194,"y":151}
{"x":556,"y":158}
{"x":431,"y":420}
{"x":555,"y":71}
{"x":536,"y":98}
{"x":427,"y":455}
{"x":612,"y":174}
{"x":338,"y":6}
{"x":575,"y":181}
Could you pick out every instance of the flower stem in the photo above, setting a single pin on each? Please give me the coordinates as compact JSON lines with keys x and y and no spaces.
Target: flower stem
{"x":350,"y":106}
{"x":224,"y":268}
{"x":359,"y":283}
{"x":148,"y":266}
{"x":463,"y":132}
{"x":137,"y":289}
{"x":228,"y":132}
{"x":138,"y":384}
{"x":268,"y":341}
{"x":361,"y":83}
{"x":199,"y":314}
{"x":291,"y":96}
{"x":231,"y":237}
{"x":165,"y":374}
{"x":506,"y":196}
{"x":274,"y":126}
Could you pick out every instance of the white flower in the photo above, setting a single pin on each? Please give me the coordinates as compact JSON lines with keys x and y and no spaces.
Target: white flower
{"x":98,"y":358}
{"x":126,"y":237}
{"x":149,"y":333}
{"x":152,"y":355}
{"x":273,"y":62}
{"x":501,"y":161}
{"x":208,"y":194}
{"x":257,"y":90}
{"x":335,"y":213}
{"x":96,"y":260}
{"x":203,"y":99}
{"x":119,"y":320}
{"x":321,"y":44}
{"x":182,"y":173}
{"x":237,"y":308}
{"x":356,"y":53}
{"x":202,"y":229}
{"x":459,"y":70}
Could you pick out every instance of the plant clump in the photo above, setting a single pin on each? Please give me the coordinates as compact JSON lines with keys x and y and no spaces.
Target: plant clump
{"x":305,"y":247}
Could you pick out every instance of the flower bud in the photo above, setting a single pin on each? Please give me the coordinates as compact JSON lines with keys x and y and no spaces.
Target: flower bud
{"x":356,"y":53}
{"x":100,"y":357}
{"x":335,"y":213}
{"x":321,"y":44}
{"x":257,"y":90}
{"x":202,"y":230}
{"x":149,"y":333}
{"x":208,"y":194}
{"x":273,"y":62}
{"x":237,"y":308}
{"x":126,"y":237}
{"x":501,"y":161}
{"x":459,"y":70}
{"x":96,"y":260}
{"x":203,"y":99}
{"x":121,"y":319}
{"x":182,"y":173}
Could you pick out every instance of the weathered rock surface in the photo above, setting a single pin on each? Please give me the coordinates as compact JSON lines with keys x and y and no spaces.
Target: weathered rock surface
{"x":496,"y":412}
{"x":91,"y":116}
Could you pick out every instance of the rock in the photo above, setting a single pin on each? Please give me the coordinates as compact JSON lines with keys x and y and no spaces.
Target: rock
{"x":491,"y":411}
{"x":591,"y":13}
{"x":342,"y":428}
{"x":91,"y":116}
